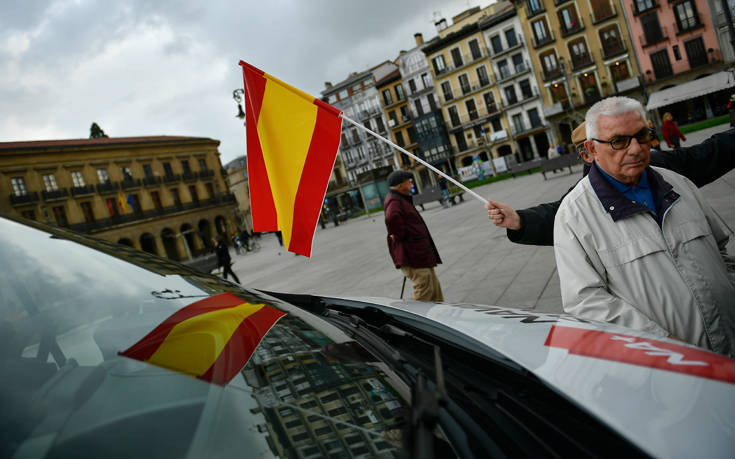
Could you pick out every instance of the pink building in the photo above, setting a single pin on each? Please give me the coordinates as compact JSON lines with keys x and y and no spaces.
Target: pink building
{"x":679,"y":57}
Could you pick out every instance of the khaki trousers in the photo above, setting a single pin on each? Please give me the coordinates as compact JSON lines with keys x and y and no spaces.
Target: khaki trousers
{"x":425,"y":283}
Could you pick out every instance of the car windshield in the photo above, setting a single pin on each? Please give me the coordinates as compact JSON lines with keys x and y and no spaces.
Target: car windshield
{"x":66,"y":312}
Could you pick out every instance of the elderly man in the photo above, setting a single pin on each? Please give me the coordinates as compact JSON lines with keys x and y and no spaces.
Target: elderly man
{"x":637,"y":245}
{"x":409,"y":242}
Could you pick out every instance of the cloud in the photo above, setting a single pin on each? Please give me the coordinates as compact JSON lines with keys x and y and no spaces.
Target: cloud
{"x":169,"y":67}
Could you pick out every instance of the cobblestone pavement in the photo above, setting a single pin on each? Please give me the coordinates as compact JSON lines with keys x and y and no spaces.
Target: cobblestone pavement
{"x":479,"y":264}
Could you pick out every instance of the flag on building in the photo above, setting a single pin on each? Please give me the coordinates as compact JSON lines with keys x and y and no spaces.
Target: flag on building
{"x":131,"y":202}
{"x":121,"y":203}
{"x":292,"y":142}
{"x":211,"y":339}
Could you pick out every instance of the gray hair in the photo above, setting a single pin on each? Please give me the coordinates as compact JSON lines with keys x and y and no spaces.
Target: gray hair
{"x":610,"y":106}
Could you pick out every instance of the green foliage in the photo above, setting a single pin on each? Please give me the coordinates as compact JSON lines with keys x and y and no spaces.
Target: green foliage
{"x":705,"y":124}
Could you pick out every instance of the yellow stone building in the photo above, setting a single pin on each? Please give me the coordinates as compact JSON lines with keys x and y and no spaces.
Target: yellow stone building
{"x":395,"y":106}
{"x":237,"y":181}
{"x":581,"y":52}
{"x":465,"y":84}
{"x":164,"y":195}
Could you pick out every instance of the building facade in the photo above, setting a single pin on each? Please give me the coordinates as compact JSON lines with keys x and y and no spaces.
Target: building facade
{"x":581,"y":52}
{"x":679,"y":54}
{"x":237,"y":182}
{"x":164,"y":195}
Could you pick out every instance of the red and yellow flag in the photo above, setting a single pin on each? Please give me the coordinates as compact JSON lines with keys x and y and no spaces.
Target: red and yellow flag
{"x":211,"y":339}
{"x":292,"y":142}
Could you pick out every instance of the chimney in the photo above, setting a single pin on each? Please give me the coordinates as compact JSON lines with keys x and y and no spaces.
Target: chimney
{"x":419,"y":38}
{"x":328,"y":84}
{"x":441,"y":24}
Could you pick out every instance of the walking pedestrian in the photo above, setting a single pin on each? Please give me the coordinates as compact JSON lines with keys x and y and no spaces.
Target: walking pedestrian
{"x":409,"y":242}
{"x":223,"y":257}
{"x":671,"y":131}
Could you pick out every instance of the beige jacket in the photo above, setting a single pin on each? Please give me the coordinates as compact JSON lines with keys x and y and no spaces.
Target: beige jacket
{"x":662,"y":274}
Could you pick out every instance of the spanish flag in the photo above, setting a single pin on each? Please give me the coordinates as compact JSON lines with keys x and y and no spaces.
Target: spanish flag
{"x":211,"y":339}
{"x":121,"y":203}
{"x":292,"y":143}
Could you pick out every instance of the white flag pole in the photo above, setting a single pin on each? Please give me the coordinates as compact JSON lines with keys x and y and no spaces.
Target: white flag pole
{"x":379,"y":137}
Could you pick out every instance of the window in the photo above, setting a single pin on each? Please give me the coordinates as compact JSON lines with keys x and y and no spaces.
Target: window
{"x":60,"y":216}
{"x":534,"y":117}
{"x":103,"y":176}
{"x":380,"y":124}
{"x":77,"y":179}
{"x":578,"y":52}
{"x":387,"y":97}
{"x":457,"y":57}
{"x":695,"y":52}
{"x":175,"y":196}
{"x":475,"y":49}
{"x":534,"y":6}
{"x":548,"y":62}
{"x":661,"y":64}
{"x":400,"y":95}
{"x":168,"y":170}
{"x":156,"y":198}
{"x":404,"y":114}
{"x":511,"y":38}
{"x":464,"y":83}
{"x":559,"y":93}
{"x":126,"y":174}
{"x":611,"y":43}
{"x":432,"y":102}
{"x":540,"y":32}
{"x":496,"y":44}
{"x":412,"y":86}
{"x":419,"y":107}
{"x":489,"y":102}
{"x":19,"y":186}
{"x":447,"y":90}
{"x":518,"y":122}
{"x":112,"y":206}
{"x":643,"y":5}
{"x":425,"y":80}
{"x":87,"y":211}
{"x":601,"y":9}
{"x":193,"y":193}
{"x":471,"y":108}
{"x":482,"y":76}
{"x":568,"y":19}
{"x":620,"y":71}
{"x":497,"y":125}
{"x":510,"y":95}
{"x":454,"y":116}
{"x":651,"y":28}
{"x":399,"y":139}
{"x":202,"y":164}
{"x":677,"y":52}
{"x":49,"y":182}
{"x":185,"y":166}
{"x":526,"y":90}
{"x":343,"y":94}
{"x":503,"y":69}
{"x":518,"y":63}
{"x":210,"y":189}
{"x":439,"y":65}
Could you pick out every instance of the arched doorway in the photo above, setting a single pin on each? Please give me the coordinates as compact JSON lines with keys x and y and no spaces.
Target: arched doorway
{"x":189,"y":236}
{"x":126,"y":241}
{"x":205,"y":232}
{"x":169,"y":244}
{"x":148,"y":243}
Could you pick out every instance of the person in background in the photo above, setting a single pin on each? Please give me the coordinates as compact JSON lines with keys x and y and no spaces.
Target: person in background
{"x":638,"y":246}
{"x":671,"y":131}
{"x":409,"y":242}
{"x":656,"y":142}
{"x":223,"y":257}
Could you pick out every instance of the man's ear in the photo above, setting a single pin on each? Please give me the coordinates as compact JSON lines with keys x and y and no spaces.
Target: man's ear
{"x":589,"y":145}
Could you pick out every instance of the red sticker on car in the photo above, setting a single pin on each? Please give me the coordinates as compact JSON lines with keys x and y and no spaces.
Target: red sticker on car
{"x":644,"y":352}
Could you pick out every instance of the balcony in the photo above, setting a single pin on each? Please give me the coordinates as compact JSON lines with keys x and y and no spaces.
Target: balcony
{"x":87,"y":227}
{"x":151,"y":181}
{"x":506,"y":73}
{"x":129,"y":184}
{"x":687,"y":25}
{"x":189,"y":176}
{"x":604,"y":15}
{"x":55,"y":194}
{"x":653,"y":36}
{"x":206,"y":173}
{"x":531,"y":13}
{"x":543,"y":41}
{"x":579,"y":61}
{"x":524,"y":98}
{"x":572,"y":29}
{"x":107,"y":188}
{"x":171,"y":178}
{"x":519,"y":44}
{"x":645,"y":7}
{"x":365,"y":114}
{"x":552,"y":73}
{"x":82,"y":190}
{"x":610,"y":49}
{"x":523,"y":129}
{"x":21,"y":199}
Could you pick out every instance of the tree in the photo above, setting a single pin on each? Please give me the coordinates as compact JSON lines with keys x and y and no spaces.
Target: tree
{"x":96,"y":132}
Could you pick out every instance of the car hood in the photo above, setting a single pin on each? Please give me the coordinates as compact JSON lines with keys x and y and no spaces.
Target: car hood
{"x":656,"y":392}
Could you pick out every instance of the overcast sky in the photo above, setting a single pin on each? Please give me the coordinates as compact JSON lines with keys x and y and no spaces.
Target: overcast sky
{"x":168,"y":67}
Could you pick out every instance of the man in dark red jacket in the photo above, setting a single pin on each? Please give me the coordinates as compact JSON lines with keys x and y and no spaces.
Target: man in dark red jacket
{"x":409,"y":242}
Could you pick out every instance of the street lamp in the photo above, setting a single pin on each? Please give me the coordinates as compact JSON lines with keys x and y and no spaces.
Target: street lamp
{"x":239,"y":96}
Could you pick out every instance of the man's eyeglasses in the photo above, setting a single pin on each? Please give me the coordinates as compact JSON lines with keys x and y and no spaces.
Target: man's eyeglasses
{"x":621,"y":142}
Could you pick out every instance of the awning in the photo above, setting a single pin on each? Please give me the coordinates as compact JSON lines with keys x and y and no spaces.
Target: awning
{"x":691,"y":89}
